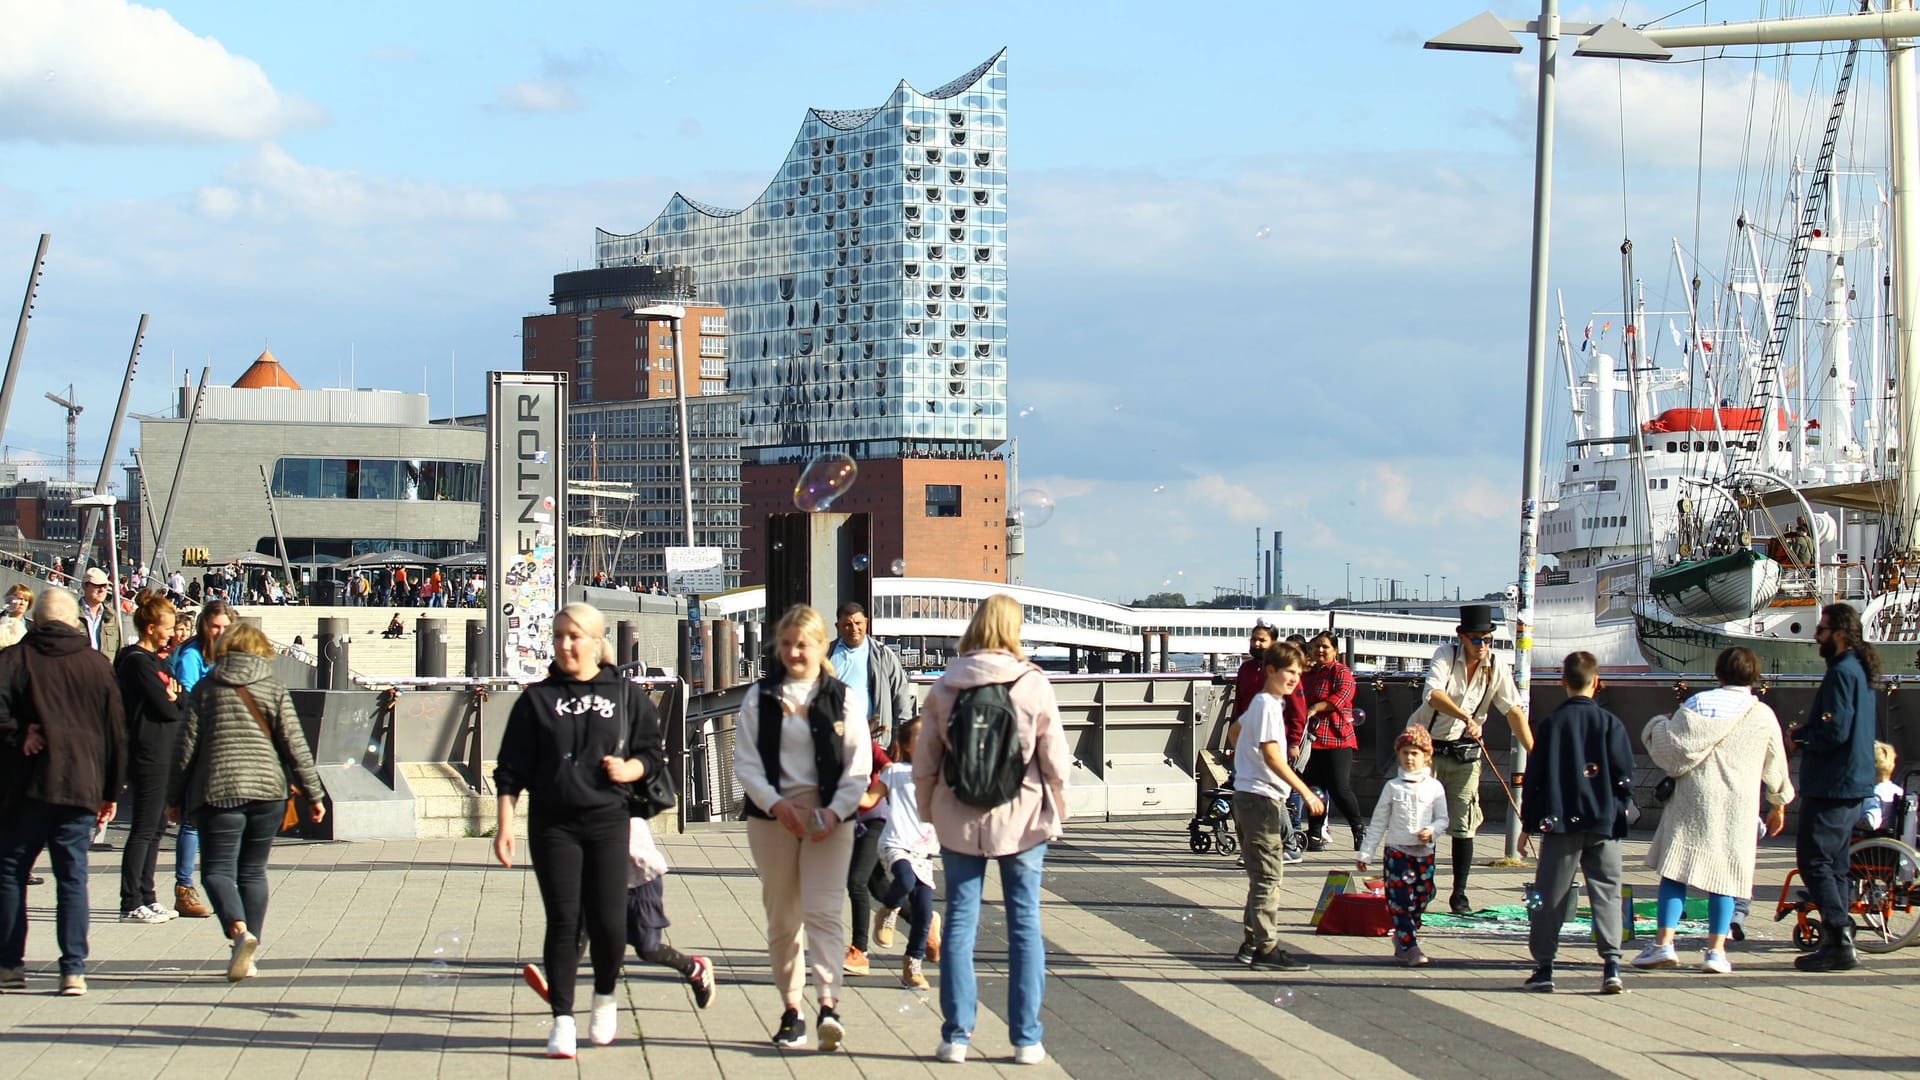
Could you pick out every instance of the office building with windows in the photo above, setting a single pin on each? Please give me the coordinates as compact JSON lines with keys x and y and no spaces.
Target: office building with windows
{"x":351,"y":471}
{"x":607,"y":356}
{"x":623,"y":465}
{"x":865,"y":297}
{"x":865,"y":289}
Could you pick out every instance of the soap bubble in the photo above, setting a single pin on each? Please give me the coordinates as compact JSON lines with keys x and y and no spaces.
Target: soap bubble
{"x":1284,"y":997}
{"x":1028,"y":411}
{"x":1534,"y":901}
{"x":449,"y":943}
{"x":860,"y":563}
{"x":1263,"y":232}
{"x":48,"y":77}
{"x":1593,"y":770}
{"x":825,"y":479}
{"x":439,"y":974}
{"x":899,"y":567}
{"x":905,"y":1003}
{"x":1033,"y":508}
{"x":1158,"y":488}
{"x":1548,"y":824}
{"x":779,"y":545}
{"x":373,"y":749}
{"x":1117,"y":408}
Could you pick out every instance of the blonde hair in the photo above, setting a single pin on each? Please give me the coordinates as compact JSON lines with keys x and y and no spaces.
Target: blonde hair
{"x":589,"y":619}
{"x":995,"y":625}
{"x":23,"y":592}
{"x":801,"y":619}
{"x":243,"y":638}
{"x":1883,"y":761}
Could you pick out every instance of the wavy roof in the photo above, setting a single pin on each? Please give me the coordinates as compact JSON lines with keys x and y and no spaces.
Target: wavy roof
{"x":843,"y":120}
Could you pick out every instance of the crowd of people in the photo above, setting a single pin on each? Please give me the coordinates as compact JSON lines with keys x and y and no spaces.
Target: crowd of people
{"x":186,"y":724}
{"x":858,"y":799}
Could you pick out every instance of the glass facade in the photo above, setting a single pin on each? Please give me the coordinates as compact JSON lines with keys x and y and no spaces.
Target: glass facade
{"x":866,"y":288}
{"x":629,"y":451}
{"x":377,"y":478}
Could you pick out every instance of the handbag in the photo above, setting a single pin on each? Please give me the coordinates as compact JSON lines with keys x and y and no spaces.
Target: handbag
{"x":1663,"y":790}
{"x":291,"y":818}
{"x":651,"y":794}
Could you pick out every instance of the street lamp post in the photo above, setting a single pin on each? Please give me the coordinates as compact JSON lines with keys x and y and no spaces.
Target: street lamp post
{"x":105,"y":500}
{"x":674,"y":315}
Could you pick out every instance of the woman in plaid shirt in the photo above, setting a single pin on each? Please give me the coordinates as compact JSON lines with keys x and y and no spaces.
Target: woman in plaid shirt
{"x":1328,"y":686}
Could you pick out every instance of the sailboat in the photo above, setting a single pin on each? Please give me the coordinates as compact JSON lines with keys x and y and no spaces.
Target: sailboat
{"x":1730,"y":517}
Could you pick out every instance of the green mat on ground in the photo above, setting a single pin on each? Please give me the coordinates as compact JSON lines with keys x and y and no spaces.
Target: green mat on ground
{"x":1512,"y":919}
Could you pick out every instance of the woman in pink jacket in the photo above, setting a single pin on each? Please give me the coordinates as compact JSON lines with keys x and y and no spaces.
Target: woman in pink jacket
{"x":1014,"y":833}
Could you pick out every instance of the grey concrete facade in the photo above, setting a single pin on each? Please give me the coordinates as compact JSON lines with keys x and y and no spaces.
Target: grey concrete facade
{"x":222,"y":503}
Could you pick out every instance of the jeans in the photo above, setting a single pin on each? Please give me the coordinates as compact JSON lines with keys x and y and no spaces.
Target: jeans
{"x":186,"y":854}
{"x":66,"y":834}
{"x":907,"y":890}
{"x":1820,"y":847}
{"x":1673,"y":904}
{"x":146,"y":822}
{"x":1026,"y":949}
{"x":238,"y":840}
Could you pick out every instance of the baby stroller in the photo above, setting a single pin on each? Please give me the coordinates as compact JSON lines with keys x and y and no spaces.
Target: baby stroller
{"x":1212,"y":828}
{"x":1296,"y":842}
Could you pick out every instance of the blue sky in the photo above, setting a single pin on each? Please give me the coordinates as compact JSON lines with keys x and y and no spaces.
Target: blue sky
{"x":1269,"y":263}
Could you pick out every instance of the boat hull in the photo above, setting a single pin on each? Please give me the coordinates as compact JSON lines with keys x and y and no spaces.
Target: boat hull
{"x":1731,"y":586}
{"x":1693,"y":648}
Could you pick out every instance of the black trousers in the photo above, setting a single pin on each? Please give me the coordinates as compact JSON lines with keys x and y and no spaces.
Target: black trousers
{"x":580,"y":860}
{"x":860,"y":876}
{"x":1332,"y":770}
{"x":146,"y":820}
{"x":1820,"y":847}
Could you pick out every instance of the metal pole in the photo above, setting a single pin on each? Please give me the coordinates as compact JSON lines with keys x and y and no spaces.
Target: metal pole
{"x":1549,"y":33}
{"x":279,"y":541}
{"x":1901,"y":87}
{"x":113,"y":564}
{"x":179,"y":470}
{"x":106,"y":461}
{"x":680,"y":406}
{"x":20,"y":331}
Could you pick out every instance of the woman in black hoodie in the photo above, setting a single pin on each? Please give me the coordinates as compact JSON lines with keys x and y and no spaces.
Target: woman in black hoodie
{"x":575,"y":740}
{"x":151,"y":698}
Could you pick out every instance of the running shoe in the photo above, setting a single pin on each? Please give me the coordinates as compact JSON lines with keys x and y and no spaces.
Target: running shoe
{"x":701,"y":979}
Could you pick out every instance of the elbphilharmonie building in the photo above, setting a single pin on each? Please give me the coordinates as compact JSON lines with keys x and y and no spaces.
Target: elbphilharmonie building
{"x":866,"y":287}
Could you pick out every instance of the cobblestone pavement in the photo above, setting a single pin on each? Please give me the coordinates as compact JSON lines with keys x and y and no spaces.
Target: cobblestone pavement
{"x":1139,"y":930}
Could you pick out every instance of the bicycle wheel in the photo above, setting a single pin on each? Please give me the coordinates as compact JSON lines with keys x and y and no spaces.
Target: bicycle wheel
{"x":1883,"y":877}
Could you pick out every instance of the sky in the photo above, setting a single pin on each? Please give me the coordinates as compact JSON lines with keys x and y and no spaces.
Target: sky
{"x":1268,"y":263}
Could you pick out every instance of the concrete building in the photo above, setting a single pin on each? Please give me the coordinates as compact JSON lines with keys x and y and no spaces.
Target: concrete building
{"x":609,"y":357}
{"x":636,"y":444}
{"x":351,"y":471}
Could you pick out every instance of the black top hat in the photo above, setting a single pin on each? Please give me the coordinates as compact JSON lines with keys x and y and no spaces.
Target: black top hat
{"x":1475,"y":619}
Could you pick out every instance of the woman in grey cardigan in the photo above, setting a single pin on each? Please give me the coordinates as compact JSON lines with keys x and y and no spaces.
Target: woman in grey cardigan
{"x":1720,"y":747}
{"x":242,"y":738}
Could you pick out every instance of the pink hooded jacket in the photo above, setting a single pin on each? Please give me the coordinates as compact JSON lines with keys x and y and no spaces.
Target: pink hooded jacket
{"x":1036,"y":815}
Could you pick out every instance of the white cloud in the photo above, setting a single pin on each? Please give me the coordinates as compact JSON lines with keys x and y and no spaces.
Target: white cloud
{"x":541,"y":95}
{"x":272,"y":186}
{"x":110,"y":72}
{"x":1239,"y":502}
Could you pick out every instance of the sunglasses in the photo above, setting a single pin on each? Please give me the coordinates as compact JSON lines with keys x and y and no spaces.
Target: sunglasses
{"x":1479,"y":639}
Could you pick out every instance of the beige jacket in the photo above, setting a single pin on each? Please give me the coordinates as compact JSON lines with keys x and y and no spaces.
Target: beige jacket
{"x":1037,"y":814}
{"x":1721,"y":746}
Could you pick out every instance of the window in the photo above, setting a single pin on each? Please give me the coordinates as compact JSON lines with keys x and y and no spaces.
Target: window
{"x":943,"y":500}
{"x":377,"y":478}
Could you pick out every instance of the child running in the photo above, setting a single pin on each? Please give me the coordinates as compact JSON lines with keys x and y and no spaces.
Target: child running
{"x":907,"y":848}
{"x":647,"y":917}
{"x":1412,"y":810}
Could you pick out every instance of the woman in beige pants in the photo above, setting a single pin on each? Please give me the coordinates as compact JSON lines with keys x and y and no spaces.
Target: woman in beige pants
{"x":803,"y":768}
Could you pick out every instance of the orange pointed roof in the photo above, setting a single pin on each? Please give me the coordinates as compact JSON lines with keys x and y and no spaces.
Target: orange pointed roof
{"x":266,"y":373}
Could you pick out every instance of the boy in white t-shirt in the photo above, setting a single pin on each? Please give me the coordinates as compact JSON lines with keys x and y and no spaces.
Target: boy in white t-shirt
{"x":907,"y":848}
{"x":1261,"y":780}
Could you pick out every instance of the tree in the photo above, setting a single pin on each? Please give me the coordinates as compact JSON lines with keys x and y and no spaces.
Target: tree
{"x":1162,"y":600}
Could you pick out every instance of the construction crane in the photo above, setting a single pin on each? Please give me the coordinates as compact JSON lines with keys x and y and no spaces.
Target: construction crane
{"x":73,"y":415}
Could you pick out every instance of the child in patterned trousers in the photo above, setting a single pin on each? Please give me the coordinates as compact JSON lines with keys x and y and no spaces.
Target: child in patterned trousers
{"x":1412,"y":811}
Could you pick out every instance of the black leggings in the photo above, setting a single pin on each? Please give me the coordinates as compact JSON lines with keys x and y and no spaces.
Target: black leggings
{"x":1331,"y":770}
{"x":147,"y":823}
{"x":580,"y":861}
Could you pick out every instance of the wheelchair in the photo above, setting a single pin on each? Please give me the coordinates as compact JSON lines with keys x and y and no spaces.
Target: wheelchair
{"x":1882,"y":887}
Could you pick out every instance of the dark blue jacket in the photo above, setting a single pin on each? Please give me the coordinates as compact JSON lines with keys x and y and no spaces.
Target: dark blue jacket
{"x":1836,"y":759}
{"x":1579,"y":774}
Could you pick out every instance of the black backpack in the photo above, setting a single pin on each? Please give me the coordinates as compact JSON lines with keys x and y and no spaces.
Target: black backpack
{"x":984,"y":765}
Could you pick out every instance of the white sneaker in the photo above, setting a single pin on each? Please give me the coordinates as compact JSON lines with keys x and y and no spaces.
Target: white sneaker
{"x":166,"y":914}
{"x":560,"y":1042}
{"x":1716,"y":963}
{"x":142,"y":914}
{"x":1029,"y":1055}
{"x":241,"y":960}
{"x":606,"y":1019}
{"x":1657,"y":956}
{"x":951,"y":1052}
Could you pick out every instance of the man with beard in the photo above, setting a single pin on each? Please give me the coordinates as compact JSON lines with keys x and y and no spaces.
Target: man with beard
{"x":1836,"y":775}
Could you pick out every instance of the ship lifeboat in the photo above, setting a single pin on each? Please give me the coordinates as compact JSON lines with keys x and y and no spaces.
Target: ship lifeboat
{"x":1730,"y":586}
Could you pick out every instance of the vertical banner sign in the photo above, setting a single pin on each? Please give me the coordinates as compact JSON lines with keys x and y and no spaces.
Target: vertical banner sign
{"x":526,"y":523}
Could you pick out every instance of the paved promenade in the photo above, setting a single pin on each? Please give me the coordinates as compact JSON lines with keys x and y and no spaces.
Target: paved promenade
{"x":1139,"y":930}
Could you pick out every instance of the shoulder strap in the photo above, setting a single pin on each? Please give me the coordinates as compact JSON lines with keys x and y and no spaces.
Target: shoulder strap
{"x":254,"y":710}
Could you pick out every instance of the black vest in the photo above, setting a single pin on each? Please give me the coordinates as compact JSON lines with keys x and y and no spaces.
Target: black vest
{"x":826,"y":711}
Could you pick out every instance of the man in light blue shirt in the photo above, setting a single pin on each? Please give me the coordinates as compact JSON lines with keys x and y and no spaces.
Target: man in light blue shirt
{"x":876,"y":683}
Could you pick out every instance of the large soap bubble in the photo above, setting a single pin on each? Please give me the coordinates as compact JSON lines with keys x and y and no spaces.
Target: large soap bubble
{"x":825,"y":479}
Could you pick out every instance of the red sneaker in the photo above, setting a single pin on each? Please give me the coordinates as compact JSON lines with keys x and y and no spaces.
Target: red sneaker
{"x":701,"y":979}
{"x":535,"y":979}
